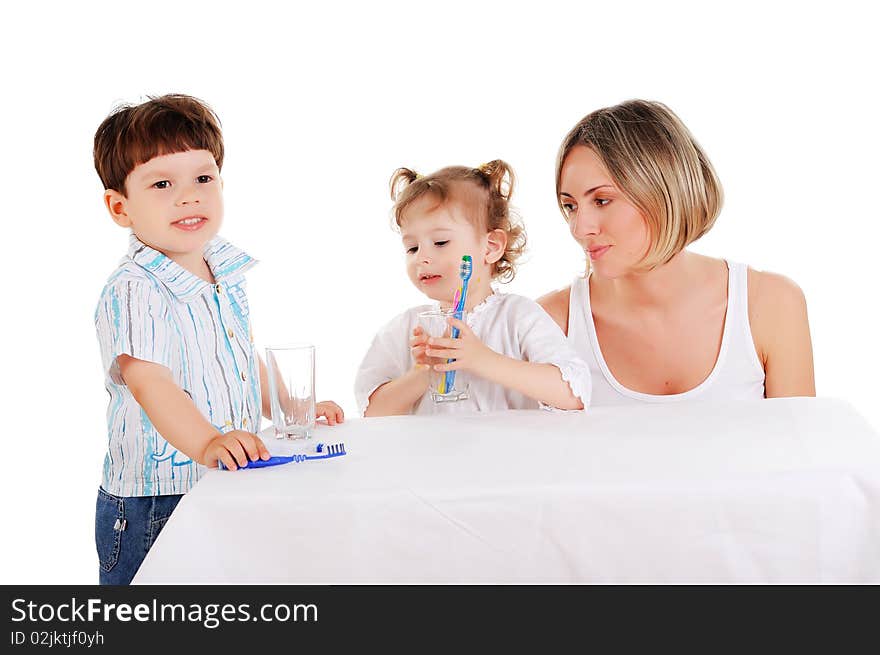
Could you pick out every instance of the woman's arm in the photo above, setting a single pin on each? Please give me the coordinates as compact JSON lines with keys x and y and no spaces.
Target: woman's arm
{"x":781,"y":331}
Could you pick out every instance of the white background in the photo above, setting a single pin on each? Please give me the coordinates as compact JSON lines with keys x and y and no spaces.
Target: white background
{"x":320,"y":104}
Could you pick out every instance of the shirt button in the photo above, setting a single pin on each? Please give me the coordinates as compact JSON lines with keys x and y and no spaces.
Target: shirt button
{"x":218,"y":288}
{"x":230,"y":333}
{"x":243,"y":377}
{"x":244,"y":421}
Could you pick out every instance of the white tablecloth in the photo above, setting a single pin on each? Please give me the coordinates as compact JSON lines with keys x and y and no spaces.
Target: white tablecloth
{"x":781,"y":491}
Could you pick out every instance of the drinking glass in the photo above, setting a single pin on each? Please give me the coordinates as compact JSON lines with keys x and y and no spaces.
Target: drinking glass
{"x":291,"y":372}
{"x":451,"y":386}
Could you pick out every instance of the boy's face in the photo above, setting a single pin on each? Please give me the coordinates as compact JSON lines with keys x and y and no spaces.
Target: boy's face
{"x":174,"y":202}
{"x":434,"y":239}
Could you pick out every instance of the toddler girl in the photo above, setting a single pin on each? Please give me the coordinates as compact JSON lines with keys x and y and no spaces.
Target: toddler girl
{"x":514,"y":355}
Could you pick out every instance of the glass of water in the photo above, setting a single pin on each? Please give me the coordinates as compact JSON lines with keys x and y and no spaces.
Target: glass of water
{"x":291,"y":372}
{"x":445,"y":387}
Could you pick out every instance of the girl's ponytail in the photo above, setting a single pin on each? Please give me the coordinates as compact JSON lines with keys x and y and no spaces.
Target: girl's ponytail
{"x":499,"y":175}
{"x":400,"y":180}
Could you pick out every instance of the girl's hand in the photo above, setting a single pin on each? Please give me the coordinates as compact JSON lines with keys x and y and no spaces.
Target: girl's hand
{"x":470,"y":354}
{"x":417,"y":345}
{"x":329,"y":410}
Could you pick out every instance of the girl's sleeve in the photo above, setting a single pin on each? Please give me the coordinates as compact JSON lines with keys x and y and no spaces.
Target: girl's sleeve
{"x":542,"y":341}
{"x":387,"y":358}
{"x":132,"y":319}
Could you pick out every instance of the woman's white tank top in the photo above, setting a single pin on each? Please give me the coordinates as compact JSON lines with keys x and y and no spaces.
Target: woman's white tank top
{"x":737,"y":375}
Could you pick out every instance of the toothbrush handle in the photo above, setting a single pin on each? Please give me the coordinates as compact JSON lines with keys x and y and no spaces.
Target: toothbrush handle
{"x":272,"y":461}
{"x":450,"y":375}
{"x":260,"y":463}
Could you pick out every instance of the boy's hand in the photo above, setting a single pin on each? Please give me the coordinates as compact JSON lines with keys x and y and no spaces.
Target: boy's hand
{"x":329,"y":410}
{"x":234,"y":449}
{"x":470,"y":354}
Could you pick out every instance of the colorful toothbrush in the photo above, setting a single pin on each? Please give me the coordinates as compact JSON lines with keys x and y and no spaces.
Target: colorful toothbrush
{"x":464,"y":272}
{"x":333,"y":450}
{"x":455,"y":299}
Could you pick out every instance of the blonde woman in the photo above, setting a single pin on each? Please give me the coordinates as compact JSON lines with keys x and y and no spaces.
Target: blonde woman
{"x":654,"y":321}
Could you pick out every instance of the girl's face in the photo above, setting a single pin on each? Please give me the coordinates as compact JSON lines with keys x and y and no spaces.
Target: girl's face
{"x":435,"y":237}
{"x":611,"y":230}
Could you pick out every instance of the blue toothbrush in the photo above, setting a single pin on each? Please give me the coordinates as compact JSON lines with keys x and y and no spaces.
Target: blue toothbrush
{"x":464,"y":272}
{"x":333,"y":450}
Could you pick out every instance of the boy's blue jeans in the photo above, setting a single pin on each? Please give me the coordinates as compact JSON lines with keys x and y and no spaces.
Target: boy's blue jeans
{"x":125,"y":529}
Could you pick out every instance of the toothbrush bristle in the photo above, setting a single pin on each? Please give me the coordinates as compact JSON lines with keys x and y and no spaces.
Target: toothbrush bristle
{"x":466,"y":267}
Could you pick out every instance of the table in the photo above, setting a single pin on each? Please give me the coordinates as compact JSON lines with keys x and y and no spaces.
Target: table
{"x":774,"y":491}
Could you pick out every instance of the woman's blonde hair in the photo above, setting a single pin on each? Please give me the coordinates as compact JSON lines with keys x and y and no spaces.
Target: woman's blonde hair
{"x":658,"y":165}
{"x":484,"y":193}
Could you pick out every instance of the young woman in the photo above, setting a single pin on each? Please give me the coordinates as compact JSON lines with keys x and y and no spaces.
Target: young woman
{"x":655,"y":322}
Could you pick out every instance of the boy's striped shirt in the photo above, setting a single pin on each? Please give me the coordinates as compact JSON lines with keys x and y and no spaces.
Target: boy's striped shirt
{"x":154,"y":310}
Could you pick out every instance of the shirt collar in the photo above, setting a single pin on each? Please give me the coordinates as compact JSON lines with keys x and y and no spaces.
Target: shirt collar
{"x":225,"y":261}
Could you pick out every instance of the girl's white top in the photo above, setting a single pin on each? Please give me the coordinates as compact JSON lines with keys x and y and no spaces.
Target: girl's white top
{"x":509,"y":324}
{"x":737,"y":374}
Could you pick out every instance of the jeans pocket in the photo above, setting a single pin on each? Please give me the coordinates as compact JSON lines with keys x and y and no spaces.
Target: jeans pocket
{"x":109,"y":511}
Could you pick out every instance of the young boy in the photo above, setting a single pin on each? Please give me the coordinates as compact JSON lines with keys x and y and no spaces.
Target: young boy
{"x":180,"y":366}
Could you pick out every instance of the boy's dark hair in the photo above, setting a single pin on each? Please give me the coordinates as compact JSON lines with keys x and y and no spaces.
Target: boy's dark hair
{"x":164,"y":125}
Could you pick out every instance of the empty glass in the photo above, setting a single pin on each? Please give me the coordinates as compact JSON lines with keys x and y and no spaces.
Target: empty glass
{"x":291,"y":372}
{"x":448,"y":386}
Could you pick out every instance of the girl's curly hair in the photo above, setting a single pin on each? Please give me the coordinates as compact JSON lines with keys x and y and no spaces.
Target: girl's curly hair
{"x":490,"y":206}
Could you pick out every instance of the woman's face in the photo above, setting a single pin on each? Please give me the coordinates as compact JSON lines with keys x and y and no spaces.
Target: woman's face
{"x":611,"y":230}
